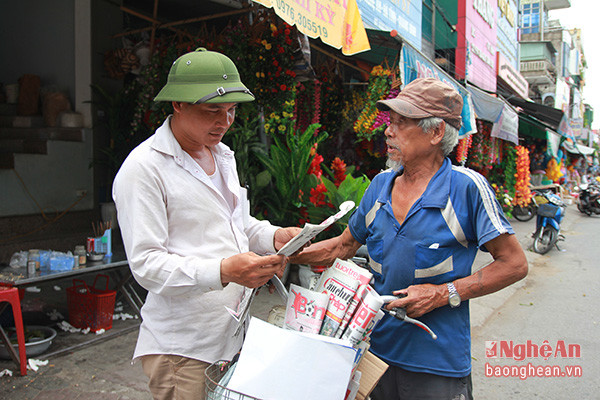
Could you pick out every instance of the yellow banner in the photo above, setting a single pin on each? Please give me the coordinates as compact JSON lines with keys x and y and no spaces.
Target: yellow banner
{"x":336,"y":22}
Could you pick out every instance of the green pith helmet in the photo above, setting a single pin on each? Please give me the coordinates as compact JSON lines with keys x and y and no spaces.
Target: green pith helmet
{"x":204,"y":76}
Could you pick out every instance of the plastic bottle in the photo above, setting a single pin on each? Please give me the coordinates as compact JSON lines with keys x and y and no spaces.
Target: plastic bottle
{"x":33,"y":262}
{"x":81,"y":253}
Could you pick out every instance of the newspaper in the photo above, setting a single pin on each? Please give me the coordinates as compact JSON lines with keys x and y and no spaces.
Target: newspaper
{"x":311,"y":230}
{"x":306,"y":235}
{"x":363,"y":276}
{"x":372,"y":324}
{"x":340,"y":288}
{"x":366,"y":311}
{"x":305,"y":310}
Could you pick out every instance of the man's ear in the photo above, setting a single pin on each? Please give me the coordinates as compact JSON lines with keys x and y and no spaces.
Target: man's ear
{"x":176,"y":106}
{"x":438,"y":133}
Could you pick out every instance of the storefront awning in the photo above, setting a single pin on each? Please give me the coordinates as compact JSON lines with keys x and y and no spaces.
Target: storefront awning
{"x":337,"y":23}
{"x":578,"y":149}
{"x":497,"y":111}
{"x":549,"y":115}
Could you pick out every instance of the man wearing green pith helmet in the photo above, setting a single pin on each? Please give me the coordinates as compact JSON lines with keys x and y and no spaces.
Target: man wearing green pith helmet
{"x":189,"y":237}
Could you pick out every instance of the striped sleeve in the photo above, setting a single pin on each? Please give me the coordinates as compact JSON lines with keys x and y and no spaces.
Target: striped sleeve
{"x":489,"y":220}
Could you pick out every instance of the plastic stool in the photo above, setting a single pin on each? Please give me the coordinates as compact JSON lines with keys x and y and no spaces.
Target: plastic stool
{"x":11,"y":295}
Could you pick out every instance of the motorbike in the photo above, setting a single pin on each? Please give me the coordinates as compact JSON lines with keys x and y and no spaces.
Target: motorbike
{"x":547,"y":230}
{"x":589,"y":199}
{"x":525,"y":213}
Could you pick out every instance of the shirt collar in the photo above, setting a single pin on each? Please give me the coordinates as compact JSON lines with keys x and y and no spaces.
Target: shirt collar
{"x":437,"y":192}
{"x":164,"y":141}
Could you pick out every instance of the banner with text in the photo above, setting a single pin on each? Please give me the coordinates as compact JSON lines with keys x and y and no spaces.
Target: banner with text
{"x":414,"y":64}
{"x":336,"y":22}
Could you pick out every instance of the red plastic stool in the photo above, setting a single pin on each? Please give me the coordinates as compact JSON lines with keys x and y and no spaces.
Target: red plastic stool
{"x":11,"y":295}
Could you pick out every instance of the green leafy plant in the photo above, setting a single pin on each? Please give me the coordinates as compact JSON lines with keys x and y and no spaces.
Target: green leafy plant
{"x":287,"y":165}
{"x":350,"y":188}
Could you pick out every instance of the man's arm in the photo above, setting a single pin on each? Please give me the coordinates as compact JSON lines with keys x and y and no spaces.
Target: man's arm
{"x":508,"y":267}
{"x":326,"y":251}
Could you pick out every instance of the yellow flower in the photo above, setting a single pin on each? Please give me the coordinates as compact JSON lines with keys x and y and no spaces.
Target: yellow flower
{"x":267,"y":127}
{"x":281,"y":128}
{"x":268,"y":46}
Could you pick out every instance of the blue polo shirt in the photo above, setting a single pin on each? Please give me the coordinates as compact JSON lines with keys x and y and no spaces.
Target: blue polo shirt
{"x":437,"y":243}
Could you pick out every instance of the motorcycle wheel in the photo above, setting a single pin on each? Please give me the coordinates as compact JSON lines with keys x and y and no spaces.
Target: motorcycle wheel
{"x":523,"y":214}
{"x":544,"y":239}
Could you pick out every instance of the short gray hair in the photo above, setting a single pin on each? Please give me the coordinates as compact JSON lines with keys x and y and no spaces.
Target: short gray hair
{"x":450,"y":138}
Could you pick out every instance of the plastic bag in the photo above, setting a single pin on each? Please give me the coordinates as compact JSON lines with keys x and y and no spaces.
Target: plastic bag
{"x":18,"y":259}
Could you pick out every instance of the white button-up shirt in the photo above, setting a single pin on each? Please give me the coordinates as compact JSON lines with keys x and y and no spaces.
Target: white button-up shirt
{"x":176,"y":228}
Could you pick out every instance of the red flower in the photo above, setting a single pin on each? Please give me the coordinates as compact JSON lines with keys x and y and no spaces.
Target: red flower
{"x":287,"y":31}
{"x":283,"y":88}
{"x":315,"y":166}
{"x":339,"y":171}
{"x":317,"y":195}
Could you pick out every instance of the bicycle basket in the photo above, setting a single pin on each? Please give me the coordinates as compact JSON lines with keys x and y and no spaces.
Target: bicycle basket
{"x":547,"y":210}
{"x":217,"y":378}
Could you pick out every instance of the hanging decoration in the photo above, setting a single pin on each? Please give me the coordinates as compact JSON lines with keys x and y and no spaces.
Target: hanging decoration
{"x":522,"y":192}
{"x":553,"y":170}
{"x":382,"y":85}
{"x":480,"y":159}
{"x":462,"y":149}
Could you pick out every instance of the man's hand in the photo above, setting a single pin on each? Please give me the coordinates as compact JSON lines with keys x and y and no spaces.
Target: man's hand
{"x":420,"y":299}
{"x":250,"y":269}
{"x":284,"y":235}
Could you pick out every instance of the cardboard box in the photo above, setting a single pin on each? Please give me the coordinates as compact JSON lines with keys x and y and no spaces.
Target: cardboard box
{"x":372,"y":369}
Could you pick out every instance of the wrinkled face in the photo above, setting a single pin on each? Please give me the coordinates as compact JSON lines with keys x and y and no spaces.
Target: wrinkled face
{"x":405,"y":140}
{"x":203,"y":124}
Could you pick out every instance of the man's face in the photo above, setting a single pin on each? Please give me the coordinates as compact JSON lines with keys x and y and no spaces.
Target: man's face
{"x":405,"y":140}
{"x":204,"y":124}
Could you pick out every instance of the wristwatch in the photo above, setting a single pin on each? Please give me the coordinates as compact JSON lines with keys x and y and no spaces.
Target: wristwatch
{"x":453,"y":296}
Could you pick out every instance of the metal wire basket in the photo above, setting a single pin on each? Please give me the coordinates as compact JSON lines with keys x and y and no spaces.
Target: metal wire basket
{"x":215,"y":390}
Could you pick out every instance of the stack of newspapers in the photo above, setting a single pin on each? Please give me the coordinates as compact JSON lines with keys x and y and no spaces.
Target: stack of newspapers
{"x":342,"y":304}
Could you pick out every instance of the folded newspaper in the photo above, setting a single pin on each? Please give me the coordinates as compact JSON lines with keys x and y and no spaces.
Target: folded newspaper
{"x":311,"y":230}
{"x":308,"y":233}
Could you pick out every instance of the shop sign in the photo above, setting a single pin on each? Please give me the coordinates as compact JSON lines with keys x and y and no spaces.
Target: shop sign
{"x":336,"y":22}
{"x":386,"y":15}
{"x":414,"y":64}
{"x":512,"y":77}
{"x":478,"y":42}
{"x":507,"y":39}
{"x":577,"y":128}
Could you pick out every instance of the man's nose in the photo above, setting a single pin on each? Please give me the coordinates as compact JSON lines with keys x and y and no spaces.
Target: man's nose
{"x":225,"y":118}
{"x":388,"y":131}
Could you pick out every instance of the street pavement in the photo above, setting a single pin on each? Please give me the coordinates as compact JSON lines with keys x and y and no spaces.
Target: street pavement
{"x":104,"y":371}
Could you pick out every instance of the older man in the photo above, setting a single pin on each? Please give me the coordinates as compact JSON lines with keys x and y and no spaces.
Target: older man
{"x":423,"y":222}
{"x":188,"y":234}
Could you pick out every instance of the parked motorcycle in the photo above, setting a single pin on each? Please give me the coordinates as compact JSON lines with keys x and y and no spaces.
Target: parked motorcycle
{"x":525,"y":213}
{"x":549,"y":217}
{"x":589,"y":199}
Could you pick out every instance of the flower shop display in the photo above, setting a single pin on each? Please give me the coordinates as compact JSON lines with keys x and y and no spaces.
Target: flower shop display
{"x":383,"y":84}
